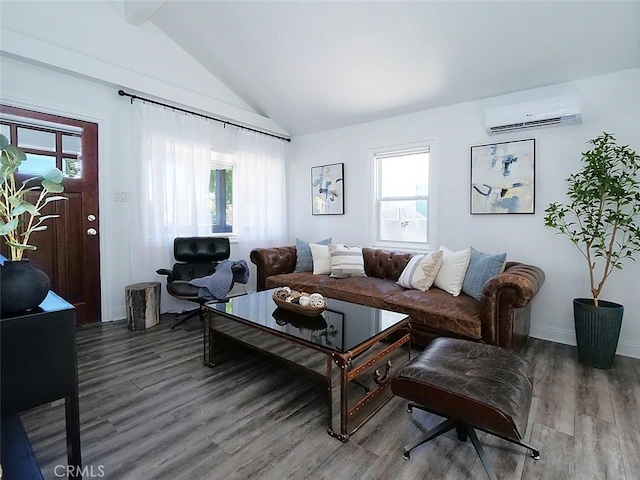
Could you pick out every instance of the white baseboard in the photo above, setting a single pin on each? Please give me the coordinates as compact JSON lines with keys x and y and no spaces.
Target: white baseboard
{"x":118,"y":313}
{"x":568,"y":337}
{"x":558,"y":335}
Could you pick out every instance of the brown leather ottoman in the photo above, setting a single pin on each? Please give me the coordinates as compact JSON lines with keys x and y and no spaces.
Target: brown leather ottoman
{"x":472,"y":385}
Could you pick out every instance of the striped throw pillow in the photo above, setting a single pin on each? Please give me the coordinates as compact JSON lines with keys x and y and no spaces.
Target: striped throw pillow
{"x":346,"y":261}
{"x":421,"y":271}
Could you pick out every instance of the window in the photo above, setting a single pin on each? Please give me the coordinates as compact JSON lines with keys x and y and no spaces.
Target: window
{"x":402,"y":197}
{"x":221,"y":190}
{"x":221,"y":199}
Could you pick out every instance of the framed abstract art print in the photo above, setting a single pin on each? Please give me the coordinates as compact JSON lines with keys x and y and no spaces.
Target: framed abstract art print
{"x":503,"y":177}
{"x":327,"y":186}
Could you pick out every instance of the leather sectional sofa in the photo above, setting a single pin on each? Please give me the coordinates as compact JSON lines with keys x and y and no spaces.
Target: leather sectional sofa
{"x":501,"y":317}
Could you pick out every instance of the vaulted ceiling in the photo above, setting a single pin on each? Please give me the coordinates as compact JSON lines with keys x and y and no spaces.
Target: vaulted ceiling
{"x":318,"y":65}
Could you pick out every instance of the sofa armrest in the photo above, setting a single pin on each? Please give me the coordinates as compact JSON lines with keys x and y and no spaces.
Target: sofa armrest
{"x":272,"y":261}
{"x":512,"y":289}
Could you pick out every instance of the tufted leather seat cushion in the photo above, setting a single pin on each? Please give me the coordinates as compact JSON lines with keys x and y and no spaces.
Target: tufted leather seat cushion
{"x":301,"y":281}
{"x":363,"y":290}
{"x":482,"y":385}
{"x":440,"y":310}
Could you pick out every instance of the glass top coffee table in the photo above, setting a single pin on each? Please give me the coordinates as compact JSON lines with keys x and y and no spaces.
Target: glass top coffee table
{"x":354,"y":349}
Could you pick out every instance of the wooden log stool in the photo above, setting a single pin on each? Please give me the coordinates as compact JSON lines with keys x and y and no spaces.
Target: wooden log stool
{"x":472,"y":385}
{"x":143,"y":305}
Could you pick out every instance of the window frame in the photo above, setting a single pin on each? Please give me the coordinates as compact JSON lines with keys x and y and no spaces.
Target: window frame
{"x":397,"y":150}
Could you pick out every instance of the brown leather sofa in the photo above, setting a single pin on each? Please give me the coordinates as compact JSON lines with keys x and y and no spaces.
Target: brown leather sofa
{"x":501,"y":317}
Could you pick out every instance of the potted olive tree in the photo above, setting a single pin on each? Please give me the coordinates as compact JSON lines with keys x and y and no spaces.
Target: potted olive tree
{"x":22,"y":286}
{"x":601,"y":221}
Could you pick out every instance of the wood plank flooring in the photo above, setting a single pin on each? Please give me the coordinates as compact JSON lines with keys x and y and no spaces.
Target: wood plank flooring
{"x":150,"y":409}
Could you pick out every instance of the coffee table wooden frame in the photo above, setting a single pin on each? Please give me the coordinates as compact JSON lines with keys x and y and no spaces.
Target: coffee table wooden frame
{"x":358,"y":380}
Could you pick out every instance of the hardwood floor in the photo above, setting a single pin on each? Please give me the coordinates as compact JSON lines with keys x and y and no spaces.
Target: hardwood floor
{"x":150,"y":409}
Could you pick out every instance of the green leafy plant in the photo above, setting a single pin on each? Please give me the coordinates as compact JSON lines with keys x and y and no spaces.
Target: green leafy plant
{"x":600,"y":218}
{"x":18,"y":217}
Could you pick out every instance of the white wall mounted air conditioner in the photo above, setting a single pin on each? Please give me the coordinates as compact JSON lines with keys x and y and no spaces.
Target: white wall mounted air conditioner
{"x":563,"y":110}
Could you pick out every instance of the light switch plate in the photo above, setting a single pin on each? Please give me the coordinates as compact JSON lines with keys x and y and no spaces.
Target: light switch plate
{"x":123,"y":196}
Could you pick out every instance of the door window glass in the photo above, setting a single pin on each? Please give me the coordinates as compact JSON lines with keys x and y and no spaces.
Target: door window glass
{"x":29,"y":138}
{"x":36,"y":164}
{"x":72,"y":167}
{"x":71,"y":144}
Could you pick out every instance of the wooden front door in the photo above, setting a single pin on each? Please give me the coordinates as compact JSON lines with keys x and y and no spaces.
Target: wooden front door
{"x":69,"y":249}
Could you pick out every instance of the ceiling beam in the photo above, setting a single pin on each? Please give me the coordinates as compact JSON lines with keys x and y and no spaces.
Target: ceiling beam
{"x":137,"y":12}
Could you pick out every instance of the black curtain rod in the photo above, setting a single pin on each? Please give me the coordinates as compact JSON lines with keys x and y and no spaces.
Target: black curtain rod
{"x":122,"y":93}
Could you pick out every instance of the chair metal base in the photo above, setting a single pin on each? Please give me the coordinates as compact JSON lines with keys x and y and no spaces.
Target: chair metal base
{"x":188,"y":316}
{"x":464,"y":431}
{"x":200,"y":311}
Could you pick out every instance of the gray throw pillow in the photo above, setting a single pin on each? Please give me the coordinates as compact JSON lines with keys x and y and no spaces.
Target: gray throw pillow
{"x":304,"y":261}
{"x":482,"y":266}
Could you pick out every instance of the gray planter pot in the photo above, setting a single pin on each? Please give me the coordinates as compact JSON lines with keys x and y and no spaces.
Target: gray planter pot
{"x":597,"y":331}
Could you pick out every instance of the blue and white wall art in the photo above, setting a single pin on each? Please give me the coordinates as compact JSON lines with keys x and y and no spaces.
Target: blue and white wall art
{"x":327,"y":186}
{"x":503,"y":177}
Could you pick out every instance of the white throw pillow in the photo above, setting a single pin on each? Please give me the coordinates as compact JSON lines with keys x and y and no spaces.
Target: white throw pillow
{"x":321,"y":259}
{"x":452,"y":271}
{"x":421,"y":271}
{"x":346,"y":261}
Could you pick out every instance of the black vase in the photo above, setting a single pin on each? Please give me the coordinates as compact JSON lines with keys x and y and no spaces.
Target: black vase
{"x":22,"y":287}
{"x":597,"y":331}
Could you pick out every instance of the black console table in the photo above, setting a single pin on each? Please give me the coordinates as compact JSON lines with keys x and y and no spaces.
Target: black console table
{"x":39,"y":365}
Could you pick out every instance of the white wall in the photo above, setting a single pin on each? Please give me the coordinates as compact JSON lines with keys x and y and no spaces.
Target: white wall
{"x":610,"y":103}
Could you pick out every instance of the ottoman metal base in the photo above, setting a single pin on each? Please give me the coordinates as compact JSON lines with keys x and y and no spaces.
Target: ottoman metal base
{"x":464,"y":431}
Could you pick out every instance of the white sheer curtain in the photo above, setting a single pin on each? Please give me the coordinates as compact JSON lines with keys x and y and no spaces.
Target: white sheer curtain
{"x":172,"y":165}
{"x":260,"y":208}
